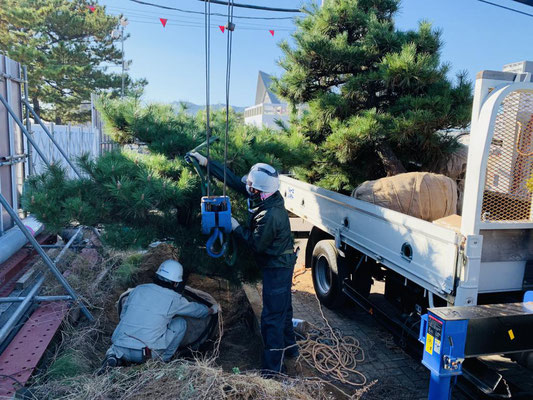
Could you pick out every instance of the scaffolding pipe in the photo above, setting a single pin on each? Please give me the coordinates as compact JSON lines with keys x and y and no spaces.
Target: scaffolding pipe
{"x":45,"y":258}
{"x":21,"y":309}
{"x":13,"y":240}
{"x":23,"y":129}
{"x":40,"y":122}
{"x":35,"y":298}
{"x":27,"y":112}
{"x":63,"y":251}
{"x":60,"y":246}
{"x":11,"y":138}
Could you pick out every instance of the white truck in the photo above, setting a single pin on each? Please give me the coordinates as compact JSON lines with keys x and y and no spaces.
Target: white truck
{"x":487,"y":257}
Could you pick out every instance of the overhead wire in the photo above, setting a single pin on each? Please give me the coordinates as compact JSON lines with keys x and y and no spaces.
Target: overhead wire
{"x":253,"y":6}
{"x":506,"y":8}
{"x":195,"y":24}
{"x":146,"y":3}
{"x":151,"y":15}
{"x":207,"y":20}
{"x":526,"y":2}
{"x":213,"y":26}
{"x":230,"y":27}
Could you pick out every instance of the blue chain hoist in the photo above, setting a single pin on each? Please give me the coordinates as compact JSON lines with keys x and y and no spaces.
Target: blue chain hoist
{"x":216,"y":210}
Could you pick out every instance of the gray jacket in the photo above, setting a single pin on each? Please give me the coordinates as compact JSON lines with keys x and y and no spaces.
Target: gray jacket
{"x":146,"y":314}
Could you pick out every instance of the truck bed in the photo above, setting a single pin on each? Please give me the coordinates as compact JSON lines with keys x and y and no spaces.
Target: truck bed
{"x":421,"y":251}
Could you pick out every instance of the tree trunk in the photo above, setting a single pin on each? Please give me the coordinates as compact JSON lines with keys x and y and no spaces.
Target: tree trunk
{"x":36,"y":106}
{"x":391,"y":163}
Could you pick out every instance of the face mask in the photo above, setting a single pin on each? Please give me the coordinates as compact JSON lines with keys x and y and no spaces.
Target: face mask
{"x":253,"y":201}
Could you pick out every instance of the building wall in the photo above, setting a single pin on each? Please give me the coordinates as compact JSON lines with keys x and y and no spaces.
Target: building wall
{"x":255,"y":120}
{"x":11,"y":140}
{"x":266,"y":121}
{"x":266,"y":114}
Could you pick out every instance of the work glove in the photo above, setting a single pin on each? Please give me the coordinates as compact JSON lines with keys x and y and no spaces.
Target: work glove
{"x":214,"y":309}
{"x":234,"y":224}
{"x":200,"y":158}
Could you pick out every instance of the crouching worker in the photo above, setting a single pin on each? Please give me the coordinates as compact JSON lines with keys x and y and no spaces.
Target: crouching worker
{"x":150,"y":322}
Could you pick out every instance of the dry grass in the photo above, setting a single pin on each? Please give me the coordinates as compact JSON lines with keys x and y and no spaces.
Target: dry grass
{"x":69,"y":372}
{"x":180,"y":380}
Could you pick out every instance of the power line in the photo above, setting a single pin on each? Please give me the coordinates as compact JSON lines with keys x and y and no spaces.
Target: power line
{"x":526,"y":2}
{"x":148,"y":15}
{"x":195,"y":25}
{"x":207,"y":20}
{"x":201,"y":13}
{"x":132,"y":16}
{"x":254,"y":7}
{"x":230,"y":27}
{"x":506,"y":8}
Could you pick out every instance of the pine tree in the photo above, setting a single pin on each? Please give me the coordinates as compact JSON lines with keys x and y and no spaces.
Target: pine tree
{"x":151,"y":193}
{"x":379,"y":99}
{"x":67,"y":49}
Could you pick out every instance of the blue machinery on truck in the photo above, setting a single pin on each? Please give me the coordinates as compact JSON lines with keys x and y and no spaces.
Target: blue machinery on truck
{"x":452,"y":334}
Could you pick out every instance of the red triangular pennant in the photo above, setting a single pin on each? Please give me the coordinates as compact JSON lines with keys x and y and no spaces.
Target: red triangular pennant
{"x":92,"y":8}
{"x":271,"y":32}
{"x":163,"y":21}
{"x":222,"y":27}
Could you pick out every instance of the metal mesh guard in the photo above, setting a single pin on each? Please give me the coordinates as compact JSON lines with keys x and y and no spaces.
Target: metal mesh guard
{"x":506,"y":196}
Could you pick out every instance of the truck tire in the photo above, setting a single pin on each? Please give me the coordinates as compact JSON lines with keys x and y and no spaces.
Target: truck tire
{"x":328,"y":274}
{"x":525,"y":359}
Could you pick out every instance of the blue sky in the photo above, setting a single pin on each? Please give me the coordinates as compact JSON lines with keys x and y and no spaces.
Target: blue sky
{"x":476,"y":36}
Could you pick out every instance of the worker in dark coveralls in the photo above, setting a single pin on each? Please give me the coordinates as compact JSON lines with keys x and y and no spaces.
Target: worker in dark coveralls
{"x":269,"y":236}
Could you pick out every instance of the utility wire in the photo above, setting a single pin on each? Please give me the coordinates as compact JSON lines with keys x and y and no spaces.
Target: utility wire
{"x":213,"y":26}
{"x":253,"y":7}
{"x":506,"y":8}
{"x":139,"y":17}
{"x":526,"y":2}
{"x":207,"y":20}
{"x":201,"y":13}
{"x":230,"y":27}
{"x":150,"y":15}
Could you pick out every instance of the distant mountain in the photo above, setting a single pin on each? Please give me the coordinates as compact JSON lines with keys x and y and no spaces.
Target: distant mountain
{"x":193,"y":109}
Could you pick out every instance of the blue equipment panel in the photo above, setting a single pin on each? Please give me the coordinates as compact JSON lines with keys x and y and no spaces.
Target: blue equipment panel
{"x":444,"y":344}
{"x":451,"y":334}
{"x":216,"y":222}
{"x":216,"y":213}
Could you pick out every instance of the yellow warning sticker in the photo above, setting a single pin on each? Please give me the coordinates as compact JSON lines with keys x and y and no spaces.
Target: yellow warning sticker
{"x":429,"y":343}
{"x":511,"y":334}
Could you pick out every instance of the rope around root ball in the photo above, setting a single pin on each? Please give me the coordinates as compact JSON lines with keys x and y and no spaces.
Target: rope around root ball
{"x":333,"y":354}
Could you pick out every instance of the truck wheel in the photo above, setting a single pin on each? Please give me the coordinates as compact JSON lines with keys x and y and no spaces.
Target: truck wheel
{"x":525,"y":359}
{"x":327,"y":280}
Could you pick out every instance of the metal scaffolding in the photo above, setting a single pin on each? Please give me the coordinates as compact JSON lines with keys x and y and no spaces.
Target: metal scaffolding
{"x":19,"y":154}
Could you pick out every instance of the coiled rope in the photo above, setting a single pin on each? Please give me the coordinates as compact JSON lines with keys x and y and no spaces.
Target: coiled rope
{"x":333,"y":354}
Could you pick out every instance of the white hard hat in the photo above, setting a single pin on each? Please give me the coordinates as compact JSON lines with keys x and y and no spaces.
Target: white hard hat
{"x":262,"y":177}
{"x":170,"y":270}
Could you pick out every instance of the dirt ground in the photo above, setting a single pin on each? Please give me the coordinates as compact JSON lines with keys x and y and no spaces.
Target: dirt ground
{"x":240,"y":346}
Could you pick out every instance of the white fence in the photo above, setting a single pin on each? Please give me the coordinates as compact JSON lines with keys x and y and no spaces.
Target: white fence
{"x":74,"y":140}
